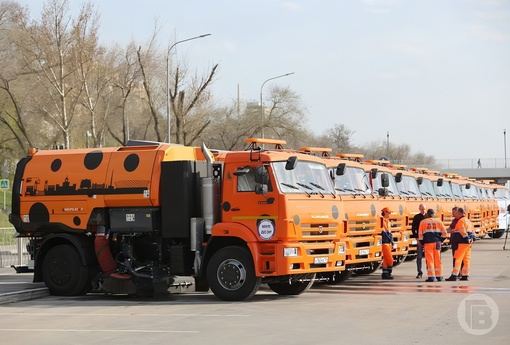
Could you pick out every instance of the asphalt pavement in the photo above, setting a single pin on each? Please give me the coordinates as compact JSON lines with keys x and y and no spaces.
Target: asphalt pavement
{"x":16,"y":287}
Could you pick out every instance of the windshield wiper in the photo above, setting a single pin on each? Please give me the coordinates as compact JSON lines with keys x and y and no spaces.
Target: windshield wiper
{"x":289,"y":185}
{"x":317,"y":186}
{"x":303,"y":185}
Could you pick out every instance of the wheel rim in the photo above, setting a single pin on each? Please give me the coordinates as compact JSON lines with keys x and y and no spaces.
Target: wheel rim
{"x":231,"y":274}
{"x":60,"y":271}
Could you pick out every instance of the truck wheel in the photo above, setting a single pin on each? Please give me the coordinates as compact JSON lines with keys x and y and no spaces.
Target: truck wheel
{"x":296,"y":288}
{"x":497,"y":233}
{"x":63,"y":272}
{"x":231,"y":274}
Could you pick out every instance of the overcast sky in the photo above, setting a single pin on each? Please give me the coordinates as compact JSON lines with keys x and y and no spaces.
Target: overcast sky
{"x":435,"y":74}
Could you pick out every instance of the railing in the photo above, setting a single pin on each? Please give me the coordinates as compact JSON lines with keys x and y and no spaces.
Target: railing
{"x":458,"y":163}
{"x":473,"y":163}
{"x":13,"y":251}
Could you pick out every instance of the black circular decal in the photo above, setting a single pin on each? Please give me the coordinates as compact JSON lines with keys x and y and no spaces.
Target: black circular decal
{"x":39,"y":213}
{"x":93,"y":159}
{"x":56,"y":165}
{"x":226,"y":206}
{"x":76,"y":221}
{"x":131,"y":162}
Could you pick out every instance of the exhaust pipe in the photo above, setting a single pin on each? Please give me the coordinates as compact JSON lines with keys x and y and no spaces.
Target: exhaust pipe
{"x":210,"y":193}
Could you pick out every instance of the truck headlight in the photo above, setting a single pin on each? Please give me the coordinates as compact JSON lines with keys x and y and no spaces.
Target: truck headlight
{"x":290,"y":252}
{"x":341,"y":249}
{"x":379,"y":243}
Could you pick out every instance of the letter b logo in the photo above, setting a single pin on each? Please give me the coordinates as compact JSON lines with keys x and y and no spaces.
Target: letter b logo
{"x":478,"y":314}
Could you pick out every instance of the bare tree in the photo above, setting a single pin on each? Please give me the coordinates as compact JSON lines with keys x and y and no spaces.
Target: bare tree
{"x":14,"y":84}
{"x":50,"y":49}
{"x":285,"y":114}
{"x":284,"y":117}
{"x":125,"y":77}
{"x":150,"y":70}
{"x":340,"y":135}
{"x":183,"y":101}
{"x":94,"y":73}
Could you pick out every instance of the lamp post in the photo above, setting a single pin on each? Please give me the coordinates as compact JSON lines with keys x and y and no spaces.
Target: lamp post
{"x":168,"y":77}
{"x":261,"y":104}
{"x":388,"y":145}
{"x":504,"y":138}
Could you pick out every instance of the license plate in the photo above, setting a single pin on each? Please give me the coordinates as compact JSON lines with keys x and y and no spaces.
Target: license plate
{"x":320,"y":260}
{"x":363,"y":252}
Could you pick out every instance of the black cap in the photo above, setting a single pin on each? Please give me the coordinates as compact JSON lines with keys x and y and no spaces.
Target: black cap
{"x":430,"y":212}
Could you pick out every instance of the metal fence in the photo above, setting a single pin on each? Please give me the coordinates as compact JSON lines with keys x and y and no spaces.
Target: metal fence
{"x":13,"y":251}
{"x":457,"y":163}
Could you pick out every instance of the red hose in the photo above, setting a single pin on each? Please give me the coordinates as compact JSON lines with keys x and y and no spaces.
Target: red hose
{"x":104,"y":255}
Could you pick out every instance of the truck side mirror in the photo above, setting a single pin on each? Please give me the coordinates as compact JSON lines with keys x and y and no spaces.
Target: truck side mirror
{"x":261,"y":189}
{"x":383,"y":192}
{"x":340,"y":169}
{"x":398,"y":177}
{"x":373,"y":173}
{"x":468,"y":185}
{"x":261,"y":176}
{"x":291,"y":163}
{"x":419,"y":180}
{"x":440,"y":182}
{"x":241,"y":171}
{"x":385,"y":181}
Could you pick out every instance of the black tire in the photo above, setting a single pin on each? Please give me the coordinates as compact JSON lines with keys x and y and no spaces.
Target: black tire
{"x":231,"y":274}
{"x":63,"y":273}
{"x":293,"y":289}
{"x":497,"y":233}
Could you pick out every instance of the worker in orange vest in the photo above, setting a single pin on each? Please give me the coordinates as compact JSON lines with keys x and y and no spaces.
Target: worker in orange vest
{"x":462,"y":255}
{"x":431,"y":234}
{"x":387,"y":245}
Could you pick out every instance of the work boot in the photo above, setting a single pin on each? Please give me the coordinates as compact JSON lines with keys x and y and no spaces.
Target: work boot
{"x":464,"y":278}
{"x":386,"y":274}
{"x":419,"y":275}
{"x":440,"y":278}
{"x":430,"y":279}
{"x":452,"y":278}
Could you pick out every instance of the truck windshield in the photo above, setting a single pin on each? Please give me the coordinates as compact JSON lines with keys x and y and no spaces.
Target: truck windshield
{"x":457,"y":192}
{"x":427,"y":188}
{"x":444,"y":191}
{"x":501,"y":193}
{"x":353,"y":181}
{"x":392,"y":187}
{"x":409,"y":187}
{"x":307,"y":178}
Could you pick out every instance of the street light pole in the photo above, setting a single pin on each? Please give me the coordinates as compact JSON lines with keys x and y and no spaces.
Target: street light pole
{"x":504,"y":137}
{"x":168,"y":77}
{"x":388,"y":145}
{"x":261,"y":104}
